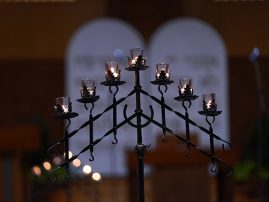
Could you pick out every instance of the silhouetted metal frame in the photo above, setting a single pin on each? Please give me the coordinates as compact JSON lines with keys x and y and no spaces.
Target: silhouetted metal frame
{"x":140,"y":148}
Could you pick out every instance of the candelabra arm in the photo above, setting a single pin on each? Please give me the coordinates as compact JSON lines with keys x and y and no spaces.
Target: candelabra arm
{"x":184,"y":118}
{"x":160,"y":90}
{"x":98,"y":140}
{"x":85,"y":124}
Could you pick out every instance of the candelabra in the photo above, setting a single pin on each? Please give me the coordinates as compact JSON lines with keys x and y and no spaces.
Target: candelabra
{"x":136,"y":64}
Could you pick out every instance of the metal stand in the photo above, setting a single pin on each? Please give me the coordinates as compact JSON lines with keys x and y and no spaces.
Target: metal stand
{"x":140,"y":148}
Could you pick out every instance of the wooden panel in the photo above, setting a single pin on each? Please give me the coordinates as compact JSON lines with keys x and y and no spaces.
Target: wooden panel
{"x":18,"y":138}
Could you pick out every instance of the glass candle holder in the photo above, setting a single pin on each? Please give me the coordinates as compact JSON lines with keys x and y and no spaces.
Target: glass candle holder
{"x":185,"y":87}
{"x":63,"y":105}
{"x":112,"y":71}
{"x":87,"y":88}
{"x":209,"y":102}
{"x":162,"y":72}
{"x":136,"y":57}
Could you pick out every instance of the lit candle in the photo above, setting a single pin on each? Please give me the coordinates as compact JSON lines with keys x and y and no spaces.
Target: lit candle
{"x":133,"y":61}
{"x":136,"y":57}
{"x":87,"y":88}
{"x":112,"y":71}
{"x":162,"y":72}
{"x":62,"y":105}
{"x":209,"y":102}
{"x":185,"y":87}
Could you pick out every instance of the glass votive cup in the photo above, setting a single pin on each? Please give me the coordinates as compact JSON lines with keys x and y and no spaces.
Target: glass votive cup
{"x":63,"y":105}
{"x":185,"y":87}
{"x":136,"y":57}
{"x":162,"y":72}
{"x":209,"y":102}
{"x":87,"y":88}
{"x":112,"y":71}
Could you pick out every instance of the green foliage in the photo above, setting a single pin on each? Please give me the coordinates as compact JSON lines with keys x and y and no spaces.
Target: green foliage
{"x":243,"y":170}
{"x":254,"y":160}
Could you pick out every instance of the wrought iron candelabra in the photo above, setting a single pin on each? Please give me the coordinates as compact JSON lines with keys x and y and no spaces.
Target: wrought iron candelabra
{"x":136,"y":64}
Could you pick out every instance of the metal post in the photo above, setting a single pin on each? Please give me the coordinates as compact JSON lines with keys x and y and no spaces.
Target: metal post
{"x":140,"y":149}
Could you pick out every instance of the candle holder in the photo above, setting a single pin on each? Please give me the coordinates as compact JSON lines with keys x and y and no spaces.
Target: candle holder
{"x":63,"y":108}
{"x":162,"y":74}
{"x":186,"y":95}
{"x":209,"y":105}
{"x":139,"y":119}
{"x":136,"y":61}
{"x":112,"y":74}
{"x":88,"y":92}
{"x":210,"y":110}
{"x":185,"y":90}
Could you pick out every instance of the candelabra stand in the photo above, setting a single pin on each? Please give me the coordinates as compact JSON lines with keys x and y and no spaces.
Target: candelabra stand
{"x":137,"y":63}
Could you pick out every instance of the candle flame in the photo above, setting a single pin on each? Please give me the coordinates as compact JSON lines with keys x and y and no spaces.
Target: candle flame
{"x":133,"y":61}
{"x":112,"y":69}
{"x":208,"y":105}
{"x":115,"y":74}
{"x":65,"y":108}
{"x":91,"y":91}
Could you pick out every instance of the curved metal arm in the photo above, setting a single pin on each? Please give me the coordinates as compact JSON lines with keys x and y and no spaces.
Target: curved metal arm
{"x":184,"y":106}
{"x":209,"y":123}
{"x":115,"y":93}
{"x":91,"y":107}
{"x":126,"y":118}
{"x":115,"y":139}
{"x":165,"y":90}
{"x":142,"y":125}
{"x":213,"y":167}
{"x":91,"y":157}
{"x":69,"y":123}
{"x":151,"y":117}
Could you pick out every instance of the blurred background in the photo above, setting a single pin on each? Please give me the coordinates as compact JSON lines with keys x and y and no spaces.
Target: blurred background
{"x":34,"y":36}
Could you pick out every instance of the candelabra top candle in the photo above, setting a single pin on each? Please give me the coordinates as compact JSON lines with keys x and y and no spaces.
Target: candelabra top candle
{"x":136,"y":57}
{"x":162,"y":72}
{"x":112,"y":71}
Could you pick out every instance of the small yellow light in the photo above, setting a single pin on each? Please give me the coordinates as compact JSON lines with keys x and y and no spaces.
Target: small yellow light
{"x":36,"y":170}
{"x":87,"y":169}
{"x":47,"y":165}
{"x":96,"y":177}
{"x":76,"y":163}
